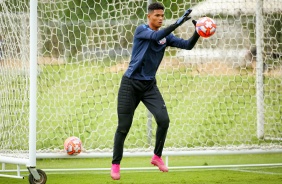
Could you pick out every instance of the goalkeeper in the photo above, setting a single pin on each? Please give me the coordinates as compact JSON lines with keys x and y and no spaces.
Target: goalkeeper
{"x":139,"y":83}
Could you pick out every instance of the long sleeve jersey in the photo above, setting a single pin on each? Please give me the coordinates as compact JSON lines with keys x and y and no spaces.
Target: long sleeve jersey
{"x":149,"y":48}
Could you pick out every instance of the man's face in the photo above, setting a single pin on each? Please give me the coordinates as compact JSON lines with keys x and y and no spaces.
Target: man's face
{"x":156,"y":18}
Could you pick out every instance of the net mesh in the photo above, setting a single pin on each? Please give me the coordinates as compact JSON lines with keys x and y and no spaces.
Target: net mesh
{"x":84,"y":48}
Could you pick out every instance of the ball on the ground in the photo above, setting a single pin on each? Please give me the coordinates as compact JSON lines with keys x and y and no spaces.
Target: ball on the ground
{"x":73,"y":145}
{"x":205,"y":27}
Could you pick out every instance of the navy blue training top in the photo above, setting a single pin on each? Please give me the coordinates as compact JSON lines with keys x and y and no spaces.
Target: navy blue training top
{"x":148,"y":51}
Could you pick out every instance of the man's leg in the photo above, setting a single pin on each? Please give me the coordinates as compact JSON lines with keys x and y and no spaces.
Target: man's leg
{"x":153,"y":100}
{"x":127,"y":103}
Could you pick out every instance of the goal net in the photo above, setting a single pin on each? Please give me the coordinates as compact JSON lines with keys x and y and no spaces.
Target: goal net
{"x":84,"y":48}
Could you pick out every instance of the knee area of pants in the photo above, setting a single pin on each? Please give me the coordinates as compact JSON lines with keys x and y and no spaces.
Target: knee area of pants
{"x":163,"y":122}
{"x":123,"y":129}
{"x":162,"y":118}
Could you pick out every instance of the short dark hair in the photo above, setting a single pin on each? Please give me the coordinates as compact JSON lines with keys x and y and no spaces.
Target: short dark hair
{"x":155,"y":6}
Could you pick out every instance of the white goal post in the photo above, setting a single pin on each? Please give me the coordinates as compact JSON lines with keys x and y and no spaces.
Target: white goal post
{"x":61,"y":62}
{"x":15,"y":100}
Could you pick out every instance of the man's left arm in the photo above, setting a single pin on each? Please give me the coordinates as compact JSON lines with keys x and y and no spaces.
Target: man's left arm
{"x":184,"y":44}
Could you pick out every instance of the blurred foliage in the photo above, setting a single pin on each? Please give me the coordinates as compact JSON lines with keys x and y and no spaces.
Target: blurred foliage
{"x":273,"y":39}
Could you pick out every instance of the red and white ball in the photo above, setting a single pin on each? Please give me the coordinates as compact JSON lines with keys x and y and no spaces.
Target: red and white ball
{"x":73,"y":145}
{"x":205,"y":27}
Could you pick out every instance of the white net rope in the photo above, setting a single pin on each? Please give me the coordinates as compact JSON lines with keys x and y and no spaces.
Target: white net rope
{"x":14,"y":84}
{"x":84,"y":48}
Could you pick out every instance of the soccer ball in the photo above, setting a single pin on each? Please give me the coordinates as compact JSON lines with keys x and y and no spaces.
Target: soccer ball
{"x":205,"y":27}
{"x":73,"y":145}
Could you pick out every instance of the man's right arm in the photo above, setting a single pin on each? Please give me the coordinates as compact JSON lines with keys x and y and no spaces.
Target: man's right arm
{"x":145,"y":33}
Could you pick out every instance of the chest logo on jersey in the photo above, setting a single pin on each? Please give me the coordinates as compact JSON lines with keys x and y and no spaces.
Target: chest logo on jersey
{"x":162,"y":41}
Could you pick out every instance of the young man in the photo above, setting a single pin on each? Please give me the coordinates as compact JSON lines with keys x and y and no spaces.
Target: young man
{"x":139,"y":83}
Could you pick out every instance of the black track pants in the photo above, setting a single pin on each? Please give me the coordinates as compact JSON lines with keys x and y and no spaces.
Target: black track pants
{"x":131,"y":92}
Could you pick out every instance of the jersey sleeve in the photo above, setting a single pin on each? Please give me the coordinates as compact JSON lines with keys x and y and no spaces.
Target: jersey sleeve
{"x":144,"y":32}
{"x":174,"y":41}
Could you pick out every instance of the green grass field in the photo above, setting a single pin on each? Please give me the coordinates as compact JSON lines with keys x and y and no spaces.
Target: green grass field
{"x":202,"y":172}
{"x":80,"y":99}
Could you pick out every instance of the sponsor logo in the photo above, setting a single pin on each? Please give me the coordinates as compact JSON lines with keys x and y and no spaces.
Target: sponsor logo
{"x":162,"y":41}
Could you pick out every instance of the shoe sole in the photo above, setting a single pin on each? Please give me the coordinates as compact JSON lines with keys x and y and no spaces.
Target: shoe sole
{"x":115,"y":177}
{"x":156,"y":164}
